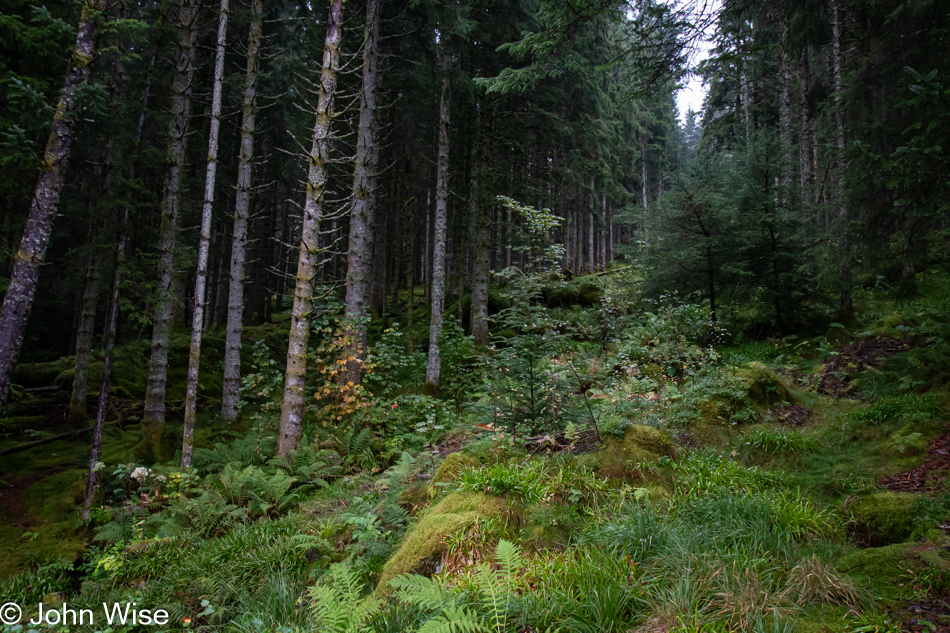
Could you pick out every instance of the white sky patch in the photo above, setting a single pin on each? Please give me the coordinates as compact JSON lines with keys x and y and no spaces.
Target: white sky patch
{"x":691,"y":95}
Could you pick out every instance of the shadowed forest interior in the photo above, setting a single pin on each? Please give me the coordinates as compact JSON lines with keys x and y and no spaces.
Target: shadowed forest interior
{"x":443,"y":316}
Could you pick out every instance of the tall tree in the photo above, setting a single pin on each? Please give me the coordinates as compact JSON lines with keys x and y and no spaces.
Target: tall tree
{"x":843,"y":227}
{"x":434,"y":365}
{"x":32,"y":251}
{"x":291,"y":411}
{"x":363,"y":209}
{"x":204,"y":243}
{"x":482,"y":204}
{"x":153,"y":419}
{"x":231,"y":395}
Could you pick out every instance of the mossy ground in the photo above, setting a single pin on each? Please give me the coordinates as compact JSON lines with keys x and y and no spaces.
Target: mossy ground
{"x":425,"y":542}
{"x":828,"y":496}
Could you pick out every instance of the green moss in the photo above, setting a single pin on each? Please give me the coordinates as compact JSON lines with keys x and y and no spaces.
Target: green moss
{"x":423,"y":542}
{"x":56,"y":498}
{"x":765,"y":387}
{"x":823,"y":619}
{"x":31,"y":375}
{"x":882,"y":518}
{"x":893,"y":326}
{"x":879,"y":568}
{"x":453,"y":464}
{"x":640,"y":445}
{"x":48,"y":540}
{"x":648,"y":438}
{"x":415,"y":496}
{"x":583,"y":291}
{"x":838,"y":336}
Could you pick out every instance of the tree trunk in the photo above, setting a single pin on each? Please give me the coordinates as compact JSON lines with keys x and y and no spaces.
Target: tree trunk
{"x":359,"y":257}
{"x":746,"y":103}
{"x":845,"y":307}
{"x":153,"y":420}
{"x":481,"y":277}
{"x":231,"y":393}
{"x":204,"y":243}
{"x":108,"y":347}
{"x":291,"y":412}
{"x":39,"y":223}
{"x":84,"y":334}
{"x":434,"y":366}
{"x":785,"y":117}
{"x":804,"y":150}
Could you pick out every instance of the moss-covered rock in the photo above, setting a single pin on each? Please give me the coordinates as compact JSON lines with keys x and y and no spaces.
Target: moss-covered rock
{"x":453,"y":464}
{"x":640,"y":445}
{"x":415,"y":496}
{"x":765,"y":387}
{"x":879,"y":568}
{"x":882,"y":518}
{"x":893,"y":326}
{"x":424,"y":542}
{"x":583,"y":291}
{"x":650,"y":439}
{"x":31,"y":375}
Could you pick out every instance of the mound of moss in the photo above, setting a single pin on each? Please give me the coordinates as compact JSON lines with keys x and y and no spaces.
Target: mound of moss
{"x":880,"y":568}
{"x":32,"y":375}
{"x":893,"y":326}
{"x":765,"y":387}
{"x":583,"y":291}
{"x":453,"y":464}
{"x":639,"y":445}
{"x":423,"y":544}
{"x":883,"y":518}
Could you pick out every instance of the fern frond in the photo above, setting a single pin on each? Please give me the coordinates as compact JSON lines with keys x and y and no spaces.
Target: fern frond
{"x":419,"y":590}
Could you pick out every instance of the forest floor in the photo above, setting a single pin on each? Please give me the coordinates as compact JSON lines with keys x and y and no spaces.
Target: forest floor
{"x":802,"y":480}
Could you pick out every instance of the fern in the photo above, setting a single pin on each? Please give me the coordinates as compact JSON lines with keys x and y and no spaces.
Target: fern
{"x":337,"y":605}
{"x":244,"y":451}
{"x":493,"y":592}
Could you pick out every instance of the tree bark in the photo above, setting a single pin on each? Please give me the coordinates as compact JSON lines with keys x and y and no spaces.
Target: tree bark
{"x":804,"y":150}
{"x":291,"y":412}
{"x":84,"y":334}
{"x":845,"y":307}
{"x":204,"y":243}
{"x":359,"y":257}
{"x":434,"y":365}
{"x":481,"y":277}
{"x":231,"y":393}
{"x":785,"y":116}
{"x":153,"y":419}
{"x":39,"y":223}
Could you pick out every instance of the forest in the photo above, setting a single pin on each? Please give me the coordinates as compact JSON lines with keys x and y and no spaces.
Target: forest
{"x":367,"y":316}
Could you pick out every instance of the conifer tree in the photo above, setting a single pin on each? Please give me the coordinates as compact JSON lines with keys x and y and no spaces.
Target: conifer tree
{"x":31,"y":254}
{"x":292,"y":407}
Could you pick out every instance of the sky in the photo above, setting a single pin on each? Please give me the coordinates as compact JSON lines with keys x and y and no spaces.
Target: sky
{"x":691,"y":95}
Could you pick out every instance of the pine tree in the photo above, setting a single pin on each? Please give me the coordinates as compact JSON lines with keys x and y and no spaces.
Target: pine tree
{"x":18,"y":300}
{"x":154,"y":446}
{"x":201,"y":280}
{"x":231,"y":395}
{"x":291,"y":412}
